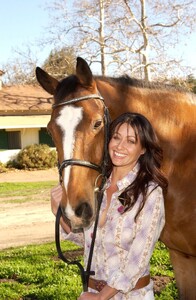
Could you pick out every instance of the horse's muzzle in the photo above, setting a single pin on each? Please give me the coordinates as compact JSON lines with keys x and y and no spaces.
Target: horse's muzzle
{"x":80,"y":217}
{"x":84,"y":211}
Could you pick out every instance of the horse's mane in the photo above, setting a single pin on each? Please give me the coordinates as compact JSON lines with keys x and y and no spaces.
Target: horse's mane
{"x":69,"y":84}
{"x":130,"y":81}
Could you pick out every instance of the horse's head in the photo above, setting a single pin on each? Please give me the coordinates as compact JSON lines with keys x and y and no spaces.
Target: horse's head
{"x":77,"y":129}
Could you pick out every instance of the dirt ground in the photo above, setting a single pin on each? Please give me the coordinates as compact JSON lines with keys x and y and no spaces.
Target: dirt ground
{"x":29,"y":222}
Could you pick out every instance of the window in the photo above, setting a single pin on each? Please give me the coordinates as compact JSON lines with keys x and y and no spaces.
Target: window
{"x":14,"y":140}
{"x":3,"y":139}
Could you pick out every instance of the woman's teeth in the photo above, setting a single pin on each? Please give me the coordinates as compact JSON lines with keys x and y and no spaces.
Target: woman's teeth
{"x":119,"y":154}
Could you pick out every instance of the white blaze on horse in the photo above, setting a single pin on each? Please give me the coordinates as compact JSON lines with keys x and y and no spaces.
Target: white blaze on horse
{"x":77,"y":128}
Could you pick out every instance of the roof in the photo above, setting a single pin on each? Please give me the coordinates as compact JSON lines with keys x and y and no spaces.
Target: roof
{"x":24,"y":99}
{"x":10,"y":122}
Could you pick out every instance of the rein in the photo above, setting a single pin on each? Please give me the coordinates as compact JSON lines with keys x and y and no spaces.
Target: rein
{"x":85,"y":274}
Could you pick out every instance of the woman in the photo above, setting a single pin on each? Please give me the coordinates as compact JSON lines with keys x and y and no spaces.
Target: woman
{"x":131,"y":215}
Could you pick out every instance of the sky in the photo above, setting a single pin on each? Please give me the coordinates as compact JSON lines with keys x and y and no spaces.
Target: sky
{"x":24,"y":21}
{"x":21,"y":22}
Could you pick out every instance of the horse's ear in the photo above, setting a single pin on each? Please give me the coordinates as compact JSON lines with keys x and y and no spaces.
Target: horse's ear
{"x":83,"y":72}
{"x":48,"y":83}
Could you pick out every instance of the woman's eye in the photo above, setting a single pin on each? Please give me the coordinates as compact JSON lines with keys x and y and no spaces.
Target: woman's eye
{"x":131,"y":141}
{"x":115,"y":137}
{"x":97,"y":124}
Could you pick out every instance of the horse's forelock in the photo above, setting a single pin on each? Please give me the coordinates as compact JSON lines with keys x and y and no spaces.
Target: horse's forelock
{"x":65,"y":87}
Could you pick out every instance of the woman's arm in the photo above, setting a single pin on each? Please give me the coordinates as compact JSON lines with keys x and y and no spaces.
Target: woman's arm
{"x":67,"y":234}
{"x":56,"y":194}
{"x":106,"y":293}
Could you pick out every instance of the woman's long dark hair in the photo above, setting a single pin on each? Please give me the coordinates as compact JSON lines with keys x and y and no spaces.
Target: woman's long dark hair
{"x":149,"y":162}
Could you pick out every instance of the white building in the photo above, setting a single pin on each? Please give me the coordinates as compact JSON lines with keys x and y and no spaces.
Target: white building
{"x":24,"y":114}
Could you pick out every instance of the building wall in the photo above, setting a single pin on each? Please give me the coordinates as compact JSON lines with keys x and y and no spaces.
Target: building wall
{"x":7,"y":155}
{"x":29,"y":136}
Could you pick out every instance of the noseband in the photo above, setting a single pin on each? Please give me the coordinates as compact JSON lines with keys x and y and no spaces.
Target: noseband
{"x":99,"y":191}
{"x":77,"y":162}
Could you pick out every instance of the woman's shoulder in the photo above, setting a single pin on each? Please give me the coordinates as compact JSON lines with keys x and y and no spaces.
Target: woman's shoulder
{"x":154,"y":196}
{"x":154,"y":188}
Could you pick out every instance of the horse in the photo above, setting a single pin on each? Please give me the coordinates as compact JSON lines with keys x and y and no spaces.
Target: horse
{"x":77,"y":128}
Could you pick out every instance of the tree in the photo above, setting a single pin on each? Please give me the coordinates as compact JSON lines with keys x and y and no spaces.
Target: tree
{"x":60,"y":63}
{"x":191,"y":80}
{"x":124,"y":36}
{"x":83,"y":28}
{"x":21,"y":69}
{"x":187,"y":84}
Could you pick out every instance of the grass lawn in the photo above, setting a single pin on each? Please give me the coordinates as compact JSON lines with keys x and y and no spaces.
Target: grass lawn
{"x":18,"y":189}
{"x":35,"y":272}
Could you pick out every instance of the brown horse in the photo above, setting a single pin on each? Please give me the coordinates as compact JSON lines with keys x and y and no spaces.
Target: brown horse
{"x":77,"y":129}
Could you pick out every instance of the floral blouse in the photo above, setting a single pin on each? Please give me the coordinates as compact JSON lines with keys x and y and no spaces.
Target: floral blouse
{"x":123,"y":247}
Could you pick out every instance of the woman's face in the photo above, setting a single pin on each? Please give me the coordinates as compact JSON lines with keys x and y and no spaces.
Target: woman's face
{"x":124,"y":148}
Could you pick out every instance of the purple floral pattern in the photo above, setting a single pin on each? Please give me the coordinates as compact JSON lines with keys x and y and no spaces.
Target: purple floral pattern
{"x":123,"y":247}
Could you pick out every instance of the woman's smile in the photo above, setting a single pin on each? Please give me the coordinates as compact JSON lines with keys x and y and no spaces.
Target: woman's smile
{"x":120,"y":155}
{"x":125,"y":147}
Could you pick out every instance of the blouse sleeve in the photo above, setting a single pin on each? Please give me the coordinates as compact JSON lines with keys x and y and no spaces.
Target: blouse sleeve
{"x":77,"y":238}
{"x":149,"y":226}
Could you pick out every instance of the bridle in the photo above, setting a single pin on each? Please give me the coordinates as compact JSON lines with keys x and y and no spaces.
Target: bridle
{"x":79,"y":162}
{"x":98,"y":190}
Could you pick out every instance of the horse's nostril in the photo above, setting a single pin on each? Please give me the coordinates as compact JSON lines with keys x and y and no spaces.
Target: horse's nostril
{"x":84,"y":210}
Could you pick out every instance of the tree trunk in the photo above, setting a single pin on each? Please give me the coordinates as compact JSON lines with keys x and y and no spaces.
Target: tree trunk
{"x":145,"y":60}
{"x":102,"y":37}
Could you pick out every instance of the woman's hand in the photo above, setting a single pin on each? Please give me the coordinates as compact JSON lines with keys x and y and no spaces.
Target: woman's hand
{"x":90,"y":296}
{"x":105,"y":294}
{"x":56,"y":194}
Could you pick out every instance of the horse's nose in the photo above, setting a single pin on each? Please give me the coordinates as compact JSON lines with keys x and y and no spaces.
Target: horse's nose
{"x":84,"y":211}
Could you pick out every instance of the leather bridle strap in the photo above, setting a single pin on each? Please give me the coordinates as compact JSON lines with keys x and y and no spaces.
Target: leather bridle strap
{"x":85,"y":274}
{"x":78,"y":162}
{"x":88,"y":271}
{"x":62,"y":256}
{"x":75,"y":100}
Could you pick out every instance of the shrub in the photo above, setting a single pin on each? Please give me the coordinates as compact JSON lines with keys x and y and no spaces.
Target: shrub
{"x":12,"y":164}
{"x":36,"y":157}
{"x":2,"y":168}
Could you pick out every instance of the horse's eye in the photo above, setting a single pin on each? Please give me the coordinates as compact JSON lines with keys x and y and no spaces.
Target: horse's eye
{"x":97,"y":124}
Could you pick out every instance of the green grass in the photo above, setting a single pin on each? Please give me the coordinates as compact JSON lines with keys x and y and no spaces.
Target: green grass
{"x":25,"y":192}
{"x":24,"y":188}
{"x":35,"y":273}
{"x":160,"y":263}
{"x":161,"y":266}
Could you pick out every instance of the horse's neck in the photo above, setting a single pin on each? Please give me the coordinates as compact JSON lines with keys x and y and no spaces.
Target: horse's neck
{"x":122,"y":99}
{"x":165,"y":105}
{"x":168,"y":110}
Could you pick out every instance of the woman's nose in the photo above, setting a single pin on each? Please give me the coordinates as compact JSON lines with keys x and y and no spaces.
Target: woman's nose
{"x":120,"y":144}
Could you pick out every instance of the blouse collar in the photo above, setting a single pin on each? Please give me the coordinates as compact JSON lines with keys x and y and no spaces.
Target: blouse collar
{"x":125,"y":181}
